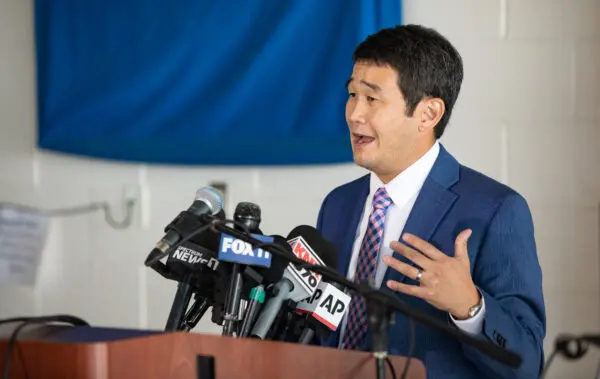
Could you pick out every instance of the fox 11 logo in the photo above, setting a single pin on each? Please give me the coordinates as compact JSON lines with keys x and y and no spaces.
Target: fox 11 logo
{"x":235,"y":250}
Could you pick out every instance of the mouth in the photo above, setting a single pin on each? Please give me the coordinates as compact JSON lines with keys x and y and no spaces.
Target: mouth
{"x":361,"y":139}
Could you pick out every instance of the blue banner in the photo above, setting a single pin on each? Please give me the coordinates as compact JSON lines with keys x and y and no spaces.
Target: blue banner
{"x":200,"y":82}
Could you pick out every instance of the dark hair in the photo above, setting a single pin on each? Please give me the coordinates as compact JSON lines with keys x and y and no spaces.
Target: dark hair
{"x":427,"y":65}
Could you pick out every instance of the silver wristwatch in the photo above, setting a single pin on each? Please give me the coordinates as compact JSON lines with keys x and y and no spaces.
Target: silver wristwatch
{"x":474,"y":310}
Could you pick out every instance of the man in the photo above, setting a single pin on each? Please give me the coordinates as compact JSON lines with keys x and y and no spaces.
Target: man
{"x":450,"y":241}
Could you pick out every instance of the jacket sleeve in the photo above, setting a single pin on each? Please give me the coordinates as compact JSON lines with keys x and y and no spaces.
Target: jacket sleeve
{"x":507,"y":272}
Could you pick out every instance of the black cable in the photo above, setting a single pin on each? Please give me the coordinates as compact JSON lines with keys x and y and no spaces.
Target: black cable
{"x":15,"y":319}
{"x":68,"y":319}
{"x":411,"y":347}
{"x":240,"y":224}
{"x":83,"y":209}
{"x":390,"y":299}
{"x":548,"y":362}
{"x":10,"y":347}
{"x":155,"y":259}
{"x":22,"y":360}
{"x":389,"y":362}
{"x":203,"y":228}
{"x":570,"y":347}
{"x":387,"y":298}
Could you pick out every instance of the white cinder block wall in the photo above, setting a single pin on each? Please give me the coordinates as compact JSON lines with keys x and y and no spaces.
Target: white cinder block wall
{"x":527,"y":116}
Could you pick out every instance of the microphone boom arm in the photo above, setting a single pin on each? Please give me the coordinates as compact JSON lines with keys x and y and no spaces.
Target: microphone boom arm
{"x":384,"y":298}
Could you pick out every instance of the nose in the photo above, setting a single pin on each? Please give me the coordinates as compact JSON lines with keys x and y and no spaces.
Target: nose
{"x":355,"y":111}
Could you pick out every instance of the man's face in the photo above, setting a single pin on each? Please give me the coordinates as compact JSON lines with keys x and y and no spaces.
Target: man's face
{"x":380,"y":131}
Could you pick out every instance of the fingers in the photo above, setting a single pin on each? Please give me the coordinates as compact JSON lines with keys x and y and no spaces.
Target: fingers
{"x":421,"y":292}
{"x":423,"y":246}
{"x":401,"y":267}
{"x":460,"y":244}
{"x":412,"y":254}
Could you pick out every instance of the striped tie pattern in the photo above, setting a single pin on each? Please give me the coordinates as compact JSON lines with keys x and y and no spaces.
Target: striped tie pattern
{"x":356,"y":327}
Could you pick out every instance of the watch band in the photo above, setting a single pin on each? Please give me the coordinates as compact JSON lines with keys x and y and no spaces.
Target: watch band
{"x":474,"y":310}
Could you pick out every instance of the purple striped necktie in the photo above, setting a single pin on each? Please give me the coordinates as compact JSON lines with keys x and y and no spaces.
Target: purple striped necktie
{"x":356,"y":326}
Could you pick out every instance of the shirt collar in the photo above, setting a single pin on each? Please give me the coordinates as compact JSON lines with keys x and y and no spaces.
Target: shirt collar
{"x":409,"y":182}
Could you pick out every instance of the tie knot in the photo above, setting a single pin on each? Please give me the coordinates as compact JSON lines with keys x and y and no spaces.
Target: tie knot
{"x":381,"y":199}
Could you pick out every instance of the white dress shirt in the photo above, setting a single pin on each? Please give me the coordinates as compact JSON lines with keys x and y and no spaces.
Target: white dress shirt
{"x":403,"y":190}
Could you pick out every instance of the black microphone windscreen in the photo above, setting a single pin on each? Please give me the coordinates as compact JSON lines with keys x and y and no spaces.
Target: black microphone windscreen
{"x":209,"y":239}
{"x":249,"y":215}
{"x":274,"y":273}
{"x":246,"y":209}
{"x":197,"y":255}
{"x":324,"y":248}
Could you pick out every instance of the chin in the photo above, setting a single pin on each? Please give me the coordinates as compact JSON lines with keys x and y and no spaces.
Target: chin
{"x":363,"y":162}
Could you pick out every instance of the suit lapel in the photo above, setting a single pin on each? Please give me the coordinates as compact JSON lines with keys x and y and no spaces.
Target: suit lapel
{"x":351,"y":210}
{"x":433,"y":202}
{"x":349,"y":218}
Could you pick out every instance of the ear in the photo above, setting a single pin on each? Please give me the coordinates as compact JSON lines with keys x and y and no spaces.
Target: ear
{"x":430,"y":112}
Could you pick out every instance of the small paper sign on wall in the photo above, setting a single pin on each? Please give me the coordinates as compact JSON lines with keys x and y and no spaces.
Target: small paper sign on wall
{"x":23,"y":234}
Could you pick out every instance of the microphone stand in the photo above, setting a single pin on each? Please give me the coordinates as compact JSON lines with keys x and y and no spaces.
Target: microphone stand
{"x":387,"y":299}
{"x":247,"y":217}
{"x":195,"y":313}
{"x":233,"y":300}
{"x":379,"y":317}
{"x":180,"y":305}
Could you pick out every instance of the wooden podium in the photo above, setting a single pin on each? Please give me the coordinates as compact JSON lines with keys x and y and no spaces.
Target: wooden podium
{"x":187,"y":356}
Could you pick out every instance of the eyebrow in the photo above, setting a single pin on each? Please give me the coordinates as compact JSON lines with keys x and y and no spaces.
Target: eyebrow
{"x":372,"y":86}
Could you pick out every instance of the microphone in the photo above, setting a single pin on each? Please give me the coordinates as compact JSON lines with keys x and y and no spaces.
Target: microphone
{"x":297,"y":283}
{"x":247,"y":214}
{"x":269,"y":275}
{"x":263,"y":268}
{"x":256,"y":299}
{"x":193,"y":258}
{"x":194,"y":265}
{"x":384,"y":303}
{"x":263,"y":277}
{"x":324,"y":311}
{"x":207,"y":202}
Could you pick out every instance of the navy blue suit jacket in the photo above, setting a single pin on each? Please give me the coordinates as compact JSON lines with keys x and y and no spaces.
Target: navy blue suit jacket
{"x":504,"y":266}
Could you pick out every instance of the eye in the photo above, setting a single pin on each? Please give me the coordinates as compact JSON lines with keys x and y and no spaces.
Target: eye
{"x":351,"y":94}
{"x":371,"y":99}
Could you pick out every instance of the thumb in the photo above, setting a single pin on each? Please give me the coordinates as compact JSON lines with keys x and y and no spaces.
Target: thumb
{"x":460,"y":244}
